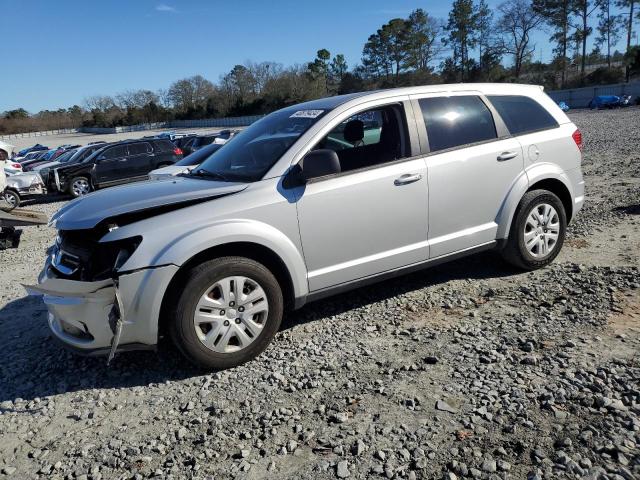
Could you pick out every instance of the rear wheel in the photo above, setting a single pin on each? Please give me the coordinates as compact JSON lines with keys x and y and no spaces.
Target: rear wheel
{"x":227,"y":314}
{"x":12,"y":198}
{"x":79,"y":186}
{"x":537,"y":231}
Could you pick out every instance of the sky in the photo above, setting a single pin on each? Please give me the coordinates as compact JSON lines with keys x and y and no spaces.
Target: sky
{"x":55,"y":54}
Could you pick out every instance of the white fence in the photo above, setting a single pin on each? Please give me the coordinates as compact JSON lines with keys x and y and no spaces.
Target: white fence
{"x":38,"y":134}
{"x":216,"y":122}
{"x":580,"y":97}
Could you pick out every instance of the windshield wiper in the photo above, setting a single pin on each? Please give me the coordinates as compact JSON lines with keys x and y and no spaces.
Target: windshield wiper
{"x":206,"y":173}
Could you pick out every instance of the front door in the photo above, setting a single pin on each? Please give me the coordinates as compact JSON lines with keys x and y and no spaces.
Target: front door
{"x":372,"y":217}
{"x":111,"y":165}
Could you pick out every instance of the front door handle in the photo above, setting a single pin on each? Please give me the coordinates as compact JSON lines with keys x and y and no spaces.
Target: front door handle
{"x":507,"y":156}
{"x":406,"y":179}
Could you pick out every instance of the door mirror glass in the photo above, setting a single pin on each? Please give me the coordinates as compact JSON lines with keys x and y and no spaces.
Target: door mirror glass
{"x":319,"y":163}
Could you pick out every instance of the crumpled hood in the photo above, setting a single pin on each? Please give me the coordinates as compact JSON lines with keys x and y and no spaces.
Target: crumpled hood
{"x":87,"y":212}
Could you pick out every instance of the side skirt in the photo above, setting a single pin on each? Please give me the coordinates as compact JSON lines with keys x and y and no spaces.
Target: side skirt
{"x":361,"y":282}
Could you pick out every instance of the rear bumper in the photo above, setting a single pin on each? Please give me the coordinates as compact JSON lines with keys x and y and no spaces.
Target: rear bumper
{"x":78,"y":312}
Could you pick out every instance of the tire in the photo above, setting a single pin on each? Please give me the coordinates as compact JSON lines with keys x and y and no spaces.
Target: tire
{"x":79,"y":186}
{"x":12,"y":198}
{"x":543,"y":248}
{"x":203,"y":297}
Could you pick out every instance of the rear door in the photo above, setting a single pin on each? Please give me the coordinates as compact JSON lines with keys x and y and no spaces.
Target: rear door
{"x":139,"y":162}
{"x":472,"y":164}
{"x":110,"y":165}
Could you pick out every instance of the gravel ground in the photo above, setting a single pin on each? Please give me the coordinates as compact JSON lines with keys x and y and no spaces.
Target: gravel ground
{"x":468,"y":370}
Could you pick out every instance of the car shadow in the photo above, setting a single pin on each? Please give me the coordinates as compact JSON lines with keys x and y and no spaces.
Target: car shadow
{"x":33,"y":364}
{"x":481,"y":266}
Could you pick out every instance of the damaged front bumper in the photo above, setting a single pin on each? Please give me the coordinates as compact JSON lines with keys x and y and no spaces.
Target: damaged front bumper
{"x":82,"y":314}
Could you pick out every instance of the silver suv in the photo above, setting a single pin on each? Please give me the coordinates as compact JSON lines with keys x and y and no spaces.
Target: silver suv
{"x":312,"y":200}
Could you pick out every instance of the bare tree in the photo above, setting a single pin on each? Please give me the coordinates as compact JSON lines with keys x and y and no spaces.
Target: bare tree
{"x":517,"y":20}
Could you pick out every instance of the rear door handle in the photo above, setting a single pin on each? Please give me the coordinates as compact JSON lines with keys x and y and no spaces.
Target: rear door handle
{"x":507,"y":156}
{"x":406,"y":179}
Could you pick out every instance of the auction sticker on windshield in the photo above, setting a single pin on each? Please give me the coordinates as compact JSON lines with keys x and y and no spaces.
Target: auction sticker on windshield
{"x":307,"y":114}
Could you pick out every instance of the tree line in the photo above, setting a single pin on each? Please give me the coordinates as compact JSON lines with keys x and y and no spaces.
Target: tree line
{"x":474,"y":43}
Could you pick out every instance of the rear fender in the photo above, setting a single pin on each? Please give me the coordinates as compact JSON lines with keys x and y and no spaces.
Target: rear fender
{"x":534,"y":174}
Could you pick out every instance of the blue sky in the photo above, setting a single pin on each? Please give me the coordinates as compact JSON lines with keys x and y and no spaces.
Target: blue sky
{"x":60,"y":52}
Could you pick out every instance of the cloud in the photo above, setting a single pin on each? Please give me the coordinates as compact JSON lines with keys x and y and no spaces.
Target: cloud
{"x":165,"y":8}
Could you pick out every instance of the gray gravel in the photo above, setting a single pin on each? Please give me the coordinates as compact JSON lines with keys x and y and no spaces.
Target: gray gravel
{"x":468,"y":370}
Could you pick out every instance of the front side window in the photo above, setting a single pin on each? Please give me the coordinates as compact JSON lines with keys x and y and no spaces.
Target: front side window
{"x":257,"y":148}
{"x":522,"y":114}
{"x":368,"y":138}
{"x":456,"y":121}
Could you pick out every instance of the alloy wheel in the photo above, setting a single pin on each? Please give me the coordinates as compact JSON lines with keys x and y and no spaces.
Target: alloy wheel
{"x":80,"y":187}
{"x":541,"y":230}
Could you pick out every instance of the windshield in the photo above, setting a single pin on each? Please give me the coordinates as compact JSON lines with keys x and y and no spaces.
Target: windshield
{"x":256,"y":149}
{"x":196,"y":158}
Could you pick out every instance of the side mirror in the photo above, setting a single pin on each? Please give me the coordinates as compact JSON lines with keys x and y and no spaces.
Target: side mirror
{"x":319,"y":163}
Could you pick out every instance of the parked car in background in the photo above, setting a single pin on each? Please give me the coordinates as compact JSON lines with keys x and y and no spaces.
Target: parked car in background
{"x":195,"y":143}
{"x":604,"y":101}
{"x":563,"y":106}
{"x":35,"y":148}
{"x":30,"y":156}
{"x":115,"y":164}
{"x":186,"y":164}
{"x":282,"y":216}
{"x":11,"y":167}
{"x":68,"y":158}
{"x":23,"y":186}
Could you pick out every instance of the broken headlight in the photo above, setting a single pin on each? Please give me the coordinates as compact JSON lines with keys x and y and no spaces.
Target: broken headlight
{"x":82,"y":257}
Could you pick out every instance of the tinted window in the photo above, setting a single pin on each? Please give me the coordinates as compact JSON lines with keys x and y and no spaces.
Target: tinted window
{"x":163,"y":145}
{"x":205,"y":141}
{"x":455,"y":121}
{"x":114,"y":152}
{"x":139,"y":148}
{"x":522,"y":114}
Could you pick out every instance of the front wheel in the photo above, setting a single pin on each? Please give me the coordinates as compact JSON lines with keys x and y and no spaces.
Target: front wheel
{"x":537,"y":231}
{"x":12,"y":198}
{"x":227,"y":314}
{"x":79,"y":186}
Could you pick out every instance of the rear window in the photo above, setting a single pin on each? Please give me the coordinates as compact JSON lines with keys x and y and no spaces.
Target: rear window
{"x":456,"y":121}
{"x":522,"y":114}
{"x":139,"y":148}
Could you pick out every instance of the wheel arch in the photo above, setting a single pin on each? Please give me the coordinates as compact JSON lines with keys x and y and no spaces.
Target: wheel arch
{"x":544,"y":176}
{"x":252,"y":250}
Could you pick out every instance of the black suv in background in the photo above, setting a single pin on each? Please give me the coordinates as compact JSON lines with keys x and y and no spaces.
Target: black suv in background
{"x":115,"y":164}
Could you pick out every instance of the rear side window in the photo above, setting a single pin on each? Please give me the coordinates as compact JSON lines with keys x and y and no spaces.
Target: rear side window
{"x":522,"y":114}
{"x":456,"y":121}
{"x":139,"y":148}
{"x":114,"y":152}
{"x":163,"y":145}
{"x":205,"y":141}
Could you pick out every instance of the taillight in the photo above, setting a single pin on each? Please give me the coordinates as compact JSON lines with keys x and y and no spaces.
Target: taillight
{"x":16,"y":165}
{"x":577,"y":137}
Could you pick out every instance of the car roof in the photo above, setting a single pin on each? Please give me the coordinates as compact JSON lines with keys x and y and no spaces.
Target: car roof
{"x":330,"y":103}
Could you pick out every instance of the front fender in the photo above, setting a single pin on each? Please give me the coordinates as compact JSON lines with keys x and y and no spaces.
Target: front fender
{"x":182,"y":248}
{"x":533,"y":175}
